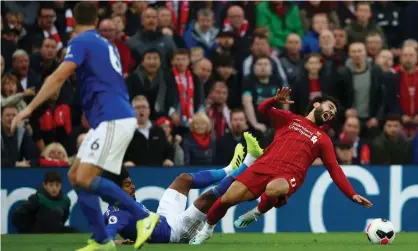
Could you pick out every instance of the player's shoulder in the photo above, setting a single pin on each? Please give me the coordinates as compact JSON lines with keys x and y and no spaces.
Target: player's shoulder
{"x":86,"y":38}
{"x":323,"y":136}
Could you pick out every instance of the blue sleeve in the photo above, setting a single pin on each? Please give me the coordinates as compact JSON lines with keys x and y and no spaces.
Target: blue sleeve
{"x":76,"y":52}
{"x":116,"y":222}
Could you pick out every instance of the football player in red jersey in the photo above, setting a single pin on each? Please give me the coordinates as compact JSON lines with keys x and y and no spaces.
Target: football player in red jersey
{"x":281,"y":170}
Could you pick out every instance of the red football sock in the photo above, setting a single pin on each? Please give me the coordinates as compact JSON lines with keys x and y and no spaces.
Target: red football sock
{"x":216,"y":212}
{"x":266,"y":203}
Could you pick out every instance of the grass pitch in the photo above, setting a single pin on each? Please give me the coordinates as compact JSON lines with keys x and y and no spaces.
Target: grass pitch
{"x":224,"y":242}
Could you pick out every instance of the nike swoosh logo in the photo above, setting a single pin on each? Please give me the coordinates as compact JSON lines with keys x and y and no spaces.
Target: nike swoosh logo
{"x":148,"y":226}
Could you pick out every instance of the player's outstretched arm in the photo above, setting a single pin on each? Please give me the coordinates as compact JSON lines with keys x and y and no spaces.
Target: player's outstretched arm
{"x":337,"y":174}
{"x":266,"y":108}
{"x":51,"y":85}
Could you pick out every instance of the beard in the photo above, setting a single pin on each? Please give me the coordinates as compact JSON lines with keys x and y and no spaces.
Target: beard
{"x":318,"y":115}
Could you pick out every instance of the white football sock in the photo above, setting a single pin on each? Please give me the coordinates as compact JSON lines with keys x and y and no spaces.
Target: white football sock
{"x":249,"y":159}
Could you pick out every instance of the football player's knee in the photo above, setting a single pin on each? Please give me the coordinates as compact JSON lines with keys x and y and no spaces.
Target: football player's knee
{"x":72,"y":177}
{"x":277,"y":188}
{"x":185,"y":179}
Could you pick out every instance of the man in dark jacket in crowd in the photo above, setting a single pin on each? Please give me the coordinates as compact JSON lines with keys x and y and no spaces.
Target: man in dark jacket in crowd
{"x":17,"y":148}
{"x":149,"y":146}
{"x":391,"y":148}
{"x":362,"y":91}
{"x":46,"y":211}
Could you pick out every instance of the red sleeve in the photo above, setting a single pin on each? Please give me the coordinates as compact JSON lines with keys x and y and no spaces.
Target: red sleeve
{"x":277,"y":117}
{"x":337,"y":174}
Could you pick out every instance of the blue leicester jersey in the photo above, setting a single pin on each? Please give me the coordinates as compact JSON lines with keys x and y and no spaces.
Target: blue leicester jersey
{"x":104,"y":95}
{"x":120,"y":221}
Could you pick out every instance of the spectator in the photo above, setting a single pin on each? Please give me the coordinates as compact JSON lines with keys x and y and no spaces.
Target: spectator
{"x":257,"y":88}
{"x":44,"y":62}
{"x":311,"y":39}
{"x":387,"y":15}
{"x":236,"y":23}
{"x":292,"y":59}
{"x":224,"y":44}
{"x":374,"y":44}
{"x":331,"y":59}
{"x":173,"y":140}
{"x":54,"y":155}
{"x":344,"y":152}
{"x":361,"y":89}
{"x":281,"y":18}
{"x":391,"y":148}
{"x":346,"y":12}
{"x":51,"y":122}
{"x":385,"y":60}
{"x":217,"y":109}
{"x":260,"y":48}
{"x":46,"y":211}
{"x":28,"y":9}
{"x":150,"y":37}
{"x":351,"y":134}
{"x":358,"y":30}
{"x":8,"y":45}
{"x":9,"y":95}
{"x":148,"y":80}
{"x":203,"y":71}
{"x":310,"y":83}
{"x":107,"y":29}
{"x":311,"y":8}
{"x":119,"y":29}
{"x":225,"y":146}
{"x":64,"y":20}
{"x":203,"y":33}
{"x":224,"y":71}
{"x":149,"y":146}
{"x":340,"y":41}
{"x":43,"y":29}
{"x":196,"y":54}
{"x":165,"y":23}
{"x":402,"y":89}
{"x":199,"y":148}
{"x":17,"y":148}
{"x":26,"y":77}
{"x":133,"y":16}
{"x":187,"y":90}
{"x":179,"y":13}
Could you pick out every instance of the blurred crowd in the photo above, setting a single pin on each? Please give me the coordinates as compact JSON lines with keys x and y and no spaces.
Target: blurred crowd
{"x":196,"y":72}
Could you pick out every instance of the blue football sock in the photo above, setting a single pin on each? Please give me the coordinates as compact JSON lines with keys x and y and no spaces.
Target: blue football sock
{"x":114,"y":195}
{"x":223,"y":186}
{"x":206,"y":178}
{"x":239,"y":170}
{"x":90,"y":206}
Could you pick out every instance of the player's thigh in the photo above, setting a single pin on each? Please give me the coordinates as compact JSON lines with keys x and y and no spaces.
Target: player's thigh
{"x":182,"y":183}
{"x":237,"y":193}
{"x":171,"y":204}
{"x":282,"y":185}
{"x":72,"y":172}
{"x":107,"y":144}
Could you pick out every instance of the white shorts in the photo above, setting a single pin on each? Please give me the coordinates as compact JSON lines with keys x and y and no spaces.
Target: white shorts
{"x":106,"y":145}
{"x":184,"y":223}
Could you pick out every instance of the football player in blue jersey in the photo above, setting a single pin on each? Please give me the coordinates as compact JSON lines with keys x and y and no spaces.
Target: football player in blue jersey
{"x":106,"y":105}
{"x":178,"y":224}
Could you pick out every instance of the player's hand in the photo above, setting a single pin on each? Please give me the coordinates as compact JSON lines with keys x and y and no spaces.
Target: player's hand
{"x":416,"y":120}
{"x":129,"y":163}
{"x":19,"y":118}
{"x":282,"y":94}
{"x":362,"y":201}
